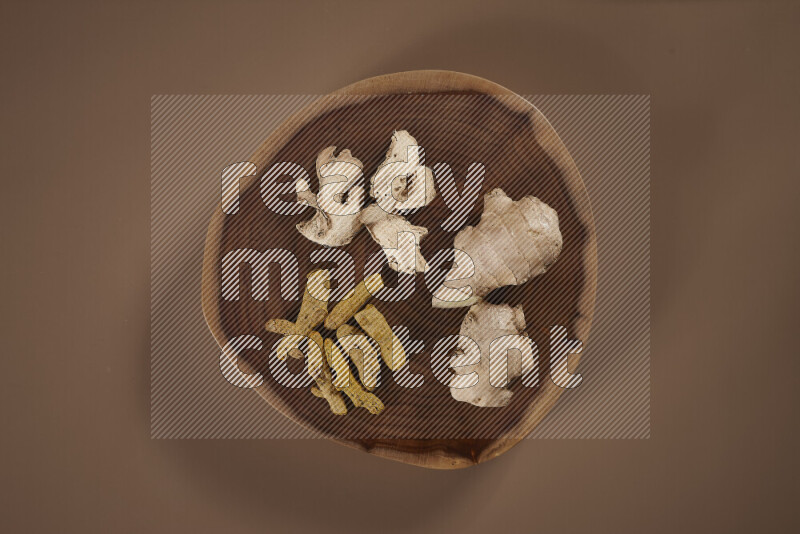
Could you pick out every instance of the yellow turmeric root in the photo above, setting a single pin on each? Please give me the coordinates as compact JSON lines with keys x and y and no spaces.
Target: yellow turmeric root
{"x":375,"y":325}
{"x":347,"y":383}
{"x":313,"y":311}
{"x":362,"y":353}
{"x":321,"y":374}
{"x":344,"y":310}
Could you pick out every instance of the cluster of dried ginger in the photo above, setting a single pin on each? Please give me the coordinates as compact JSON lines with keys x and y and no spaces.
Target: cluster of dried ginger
{"x":327,"y":359}
{"x":401,"y":184}
{"x":514,"y":242}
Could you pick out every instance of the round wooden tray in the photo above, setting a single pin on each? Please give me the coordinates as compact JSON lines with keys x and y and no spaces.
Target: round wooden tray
{"x":459,"y":119}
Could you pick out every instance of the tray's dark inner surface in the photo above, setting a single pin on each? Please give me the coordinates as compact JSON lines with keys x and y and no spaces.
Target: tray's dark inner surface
{"x":457,"y":130}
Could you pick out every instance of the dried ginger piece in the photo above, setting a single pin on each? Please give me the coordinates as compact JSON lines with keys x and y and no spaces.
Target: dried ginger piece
{"x":347,"y":383}
{"x":399,"y":239}
{"x":484,"y":324}
{"x":336,"y":219}
{"x":374,"y":324}
{"x":514,"y":242}
{"x":402,"y":182}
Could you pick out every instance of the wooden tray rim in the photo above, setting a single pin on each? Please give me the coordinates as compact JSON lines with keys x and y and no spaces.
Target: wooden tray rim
{"x":430,"y":453}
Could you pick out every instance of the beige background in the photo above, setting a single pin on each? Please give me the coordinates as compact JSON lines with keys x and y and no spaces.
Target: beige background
{"x":77,"y":80}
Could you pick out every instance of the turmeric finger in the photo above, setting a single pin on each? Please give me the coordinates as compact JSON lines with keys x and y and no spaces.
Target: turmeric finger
{"x":283,"y":327}
{"x":346,"y":382}
{"x":375,"y":325}
{"x":361,"y":352}
{"x":321,"y":373}
{"x":312,"y":313}
{"x":348,"y":306}
{"x":314,"y":307}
